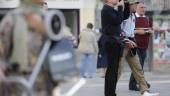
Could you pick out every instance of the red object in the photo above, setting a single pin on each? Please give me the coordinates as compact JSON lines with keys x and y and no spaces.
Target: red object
{"x":142,"y":40}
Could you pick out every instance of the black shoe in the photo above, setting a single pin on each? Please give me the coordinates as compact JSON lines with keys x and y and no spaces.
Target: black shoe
{"x":134,"y":88}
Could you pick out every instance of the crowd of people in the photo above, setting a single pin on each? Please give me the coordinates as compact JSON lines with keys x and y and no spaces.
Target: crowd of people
{"x":124,"y":37}
{"x":124,"y":30}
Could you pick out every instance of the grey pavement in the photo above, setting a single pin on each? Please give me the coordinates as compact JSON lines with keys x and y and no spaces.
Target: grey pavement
{"x":95,"y":86}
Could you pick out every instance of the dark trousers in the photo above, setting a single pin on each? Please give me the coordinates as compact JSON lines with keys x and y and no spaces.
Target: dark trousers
{"x":114,"y":51}
{"x":142,"y":56}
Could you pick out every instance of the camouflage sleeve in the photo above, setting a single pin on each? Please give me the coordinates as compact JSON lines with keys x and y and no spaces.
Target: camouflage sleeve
{"x":6,"y":27}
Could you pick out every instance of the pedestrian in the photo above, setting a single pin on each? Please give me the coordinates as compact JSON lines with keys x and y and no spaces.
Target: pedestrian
{"x":129,"y":52}
{"x":88,"y":48}
{"x":142,"y":34}
{"x":112,"y":15}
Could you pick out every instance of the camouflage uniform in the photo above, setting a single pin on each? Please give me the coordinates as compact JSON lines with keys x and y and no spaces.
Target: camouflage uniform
{"x":14,"y":45}
{"x":20,"y":42}
{"x":10,"y":47}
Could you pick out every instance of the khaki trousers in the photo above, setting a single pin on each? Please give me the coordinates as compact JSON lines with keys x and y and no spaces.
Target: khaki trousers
{"x":136,"y":69}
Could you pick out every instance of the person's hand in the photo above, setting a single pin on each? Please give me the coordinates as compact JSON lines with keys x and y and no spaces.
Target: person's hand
{"x":130,"y":44}
{"x":133,"y":44}
{"x":127,"y":43}
{"x":140,"y":32}
{"x":150,"y":31}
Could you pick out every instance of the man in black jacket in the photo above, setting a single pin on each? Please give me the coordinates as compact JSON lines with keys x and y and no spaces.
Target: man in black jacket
{"x":112,"y":16}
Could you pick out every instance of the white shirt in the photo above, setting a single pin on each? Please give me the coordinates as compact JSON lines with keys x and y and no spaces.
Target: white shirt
{"x":128,"y":26}
{"x":137,"y":15}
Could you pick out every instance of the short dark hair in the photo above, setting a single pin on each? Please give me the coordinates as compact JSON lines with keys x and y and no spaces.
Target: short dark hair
{"x":90,"y":25}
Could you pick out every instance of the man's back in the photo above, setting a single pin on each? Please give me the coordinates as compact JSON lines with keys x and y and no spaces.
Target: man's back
{"x":111,"y":20}
{"x":88,"y":42}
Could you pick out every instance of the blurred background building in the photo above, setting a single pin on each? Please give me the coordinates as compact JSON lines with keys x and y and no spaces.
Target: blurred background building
{"x":77,"y":12}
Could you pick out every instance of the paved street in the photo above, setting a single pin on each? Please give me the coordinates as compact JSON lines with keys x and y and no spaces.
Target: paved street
{"x":94,"y":87}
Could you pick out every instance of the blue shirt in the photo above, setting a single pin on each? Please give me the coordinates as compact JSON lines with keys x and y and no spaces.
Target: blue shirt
{"x":128,"y":26}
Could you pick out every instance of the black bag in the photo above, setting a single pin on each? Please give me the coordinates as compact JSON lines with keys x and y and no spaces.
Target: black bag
{"x":102,"y":55}
{"x":62,"y":61}
{"x":102,"y":60}
{"x":132,"y":52}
